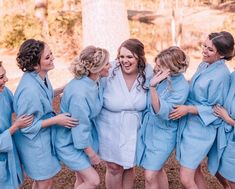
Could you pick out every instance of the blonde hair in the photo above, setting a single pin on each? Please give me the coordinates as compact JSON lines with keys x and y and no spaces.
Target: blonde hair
{"x":91,"y":60}
{"x":174,"y":59}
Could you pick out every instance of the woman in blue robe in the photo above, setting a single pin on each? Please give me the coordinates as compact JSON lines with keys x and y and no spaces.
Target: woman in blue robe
{"x":198,"y":128}
{"x":157,"y":136}
{"x":34,"y":95}
{"x":226,"y":137}
{"x":77,"y":147}
{"x":11,"y":175}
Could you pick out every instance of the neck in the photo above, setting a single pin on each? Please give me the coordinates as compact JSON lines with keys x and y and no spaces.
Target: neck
{"x":42,"y":75}
{"x":131,"y":75}
{"x":94,"y":76}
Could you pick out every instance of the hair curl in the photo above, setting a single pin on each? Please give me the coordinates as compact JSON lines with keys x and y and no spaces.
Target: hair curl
{"x":137,"y":49}
{"x":91,"y":60}
{"x":224,"y":44}
{"x":29,"y":54}
{"x":174,"y":59}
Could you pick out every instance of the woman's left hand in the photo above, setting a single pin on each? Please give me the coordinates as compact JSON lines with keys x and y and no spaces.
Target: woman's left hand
{"x":161,"y":75}
{"x":221,"y":112}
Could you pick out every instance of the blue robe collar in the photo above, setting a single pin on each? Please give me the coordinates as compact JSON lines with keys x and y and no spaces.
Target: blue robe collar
{"x":48,"y":90}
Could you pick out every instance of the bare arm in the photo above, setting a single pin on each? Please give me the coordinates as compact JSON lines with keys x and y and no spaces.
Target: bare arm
{"x":59,"y":90}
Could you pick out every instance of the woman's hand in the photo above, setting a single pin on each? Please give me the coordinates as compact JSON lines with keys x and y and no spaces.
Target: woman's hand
{"x":178,"y":112}
{"x":21,"y":122}
{"x":160,"y":76}
{"x":66,"y":120}
{"x":221,"y":112}
{"x":95,"y":159}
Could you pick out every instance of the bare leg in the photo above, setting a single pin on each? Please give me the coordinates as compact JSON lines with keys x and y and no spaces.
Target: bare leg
{"x":224,"y":182}
{"x":78,"y":181}
{"x":156,"y":179}
{"x":163,"y":180}
{"x":90,"y":179}
{"x":187,"y":178}
{"x":199,"y":178}
{"x":42,"y":184}
{"x":128,"y":178}
{"x":114,"y":176}
{"x":232,"y":184}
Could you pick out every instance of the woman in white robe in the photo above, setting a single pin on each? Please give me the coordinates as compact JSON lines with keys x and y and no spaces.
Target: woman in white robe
{"x":119,"y":120}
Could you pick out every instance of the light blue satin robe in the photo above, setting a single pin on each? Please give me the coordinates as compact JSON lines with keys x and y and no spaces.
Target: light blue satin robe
{"x":82,"y":98}
{"x":197,"y":133}
{"x":34,"y":143}
{"x":222,"y":157}
{"x":157,"y":136}
{"x":10,"y":169}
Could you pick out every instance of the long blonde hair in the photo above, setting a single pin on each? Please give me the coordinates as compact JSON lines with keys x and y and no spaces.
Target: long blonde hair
{"x":91,"y":60}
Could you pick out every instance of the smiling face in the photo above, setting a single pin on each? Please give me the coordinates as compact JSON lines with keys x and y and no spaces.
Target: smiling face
{"x":3,"y":78}
{"x":209,"y":52}
{"x":129,"y":62}
{"x":46,"y":62}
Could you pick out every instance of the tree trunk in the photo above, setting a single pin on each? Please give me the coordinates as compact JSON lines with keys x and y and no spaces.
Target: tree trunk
{"x":41,"y":8}
{"x":105,"y":24}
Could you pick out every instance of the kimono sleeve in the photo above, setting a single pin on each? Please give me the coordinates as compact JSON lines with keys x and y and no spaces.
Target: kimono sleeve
{"x":216,"y":93}
{"x":175,"y":98}
{"x":79,"y":109}
{"x":6,"y":144}
{"x":29,"y":103}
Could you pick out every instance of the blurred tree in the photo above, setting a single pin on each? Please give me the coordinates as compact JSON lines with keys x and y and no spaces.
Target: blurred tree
{"x":41,"y":13}
{"x":105,"y":24}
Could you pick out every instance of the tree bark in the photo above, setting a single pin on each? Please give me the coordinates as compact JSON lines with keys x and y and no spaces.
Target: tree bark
{"x":41,"y":12}
{"x":105,"y":24}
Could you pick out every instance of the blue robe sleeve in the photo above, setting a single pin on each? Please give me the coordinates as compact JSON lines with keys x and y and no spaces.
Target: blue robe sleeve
{"x":79,"y":109}
{"x":6,"y":144}
{"x":216,"y":95}
{"x":166,"y":105}
{"x":29,"y":103}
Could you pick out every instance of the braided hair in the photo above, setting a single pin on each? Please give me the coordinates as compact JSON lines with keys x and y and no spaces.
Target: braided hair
{"x":91,"y":60}
{"x":29,"y":54}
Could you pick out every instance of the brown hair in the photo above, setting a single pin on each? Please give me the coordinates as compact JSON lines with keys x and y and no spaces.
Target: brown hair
{"x":224,"y":44}
{"x":29,"y":54}
{"x":91,"y":60}
{"x":137,"y":49}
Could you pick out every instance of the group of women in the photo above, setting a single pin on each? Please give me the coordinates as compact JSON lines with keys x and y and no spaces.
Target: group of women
{"x":122,"y":112}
